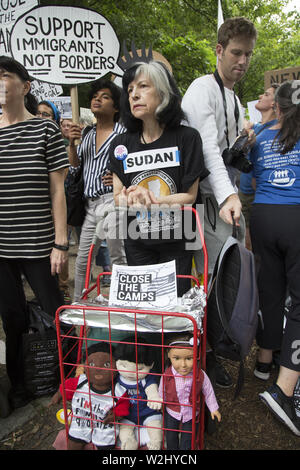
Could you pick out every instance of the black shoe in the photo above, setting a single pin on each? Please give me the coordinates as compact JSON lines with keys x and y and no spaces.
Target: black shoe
{"x":223,"y":379}
{"x":282,"y":407}
{"x":262,"y":370}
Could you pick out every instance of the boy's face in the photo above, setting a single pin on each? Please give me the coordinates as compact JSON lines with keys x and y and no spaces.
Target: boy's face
{"x":100,"y":371}
{"x":181,"y":359}
{"x":234,"y":59}
{"x":132,"y":371}
{"x":102,"y":103}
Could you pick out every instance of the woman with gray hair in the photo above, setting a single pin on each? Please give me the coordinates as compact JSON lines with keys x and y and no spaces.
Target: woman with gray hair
{"x":156,"y":168}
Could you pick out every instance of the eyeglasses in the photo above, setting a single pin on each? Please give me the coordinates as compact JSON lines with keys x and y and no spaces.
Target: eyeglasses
{"x":44,"y":115}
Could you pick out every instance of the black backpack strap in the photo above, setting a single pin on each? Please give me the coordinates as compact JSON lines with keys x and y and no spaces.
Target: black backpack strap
{"x":234,"y":227}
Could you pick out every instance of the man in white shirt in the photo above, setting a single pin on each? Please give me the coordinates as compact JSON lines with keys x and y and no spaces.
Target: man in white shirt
{"x":219,"y":120}
{"x":212,"y":107}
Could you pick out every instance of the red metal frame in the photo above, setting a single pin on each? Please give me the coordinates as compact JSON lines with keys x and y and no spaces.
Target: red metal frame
{"x":198,"y":353}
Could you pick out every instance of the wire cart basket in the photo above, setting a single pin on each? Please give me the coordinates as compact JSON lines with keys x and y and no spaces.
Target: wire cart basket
{"x":155,"y":326}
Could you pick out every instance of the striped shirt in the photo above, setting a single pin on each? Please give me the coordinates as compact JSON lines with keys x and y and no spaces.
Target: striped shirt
{"x":95,"y":163}
{"x":29,"y":151}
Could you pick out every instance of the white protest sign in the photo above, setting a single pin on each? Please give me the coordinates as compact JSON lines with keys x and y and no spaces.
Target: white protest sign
{"x":254,"y":114}
{"x":45,"y":91}
{"x":65,"y":45}
{"x":64,"y":106}
{"x":151,"y":286}
{"x":10,"y":11}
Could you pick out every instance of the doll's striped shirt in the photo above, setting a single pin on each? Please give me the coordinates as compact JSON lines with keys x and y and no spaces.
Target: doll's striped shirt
{"x":29,"y":151}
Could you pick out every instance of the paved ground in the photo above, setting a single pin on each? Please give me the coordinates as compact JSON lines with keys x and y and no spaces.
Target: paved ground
{"x":21,"y":416}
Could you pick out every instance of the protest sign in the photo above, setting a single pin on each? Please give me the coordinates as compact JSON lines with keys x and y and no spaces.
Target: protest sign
{"x":64,"y":45}
{"x":10,"y":11}
{"x":281,"y":75}
{"x":254,"y":114}
{"x":151,"y":286}
{"x":45,"y":91}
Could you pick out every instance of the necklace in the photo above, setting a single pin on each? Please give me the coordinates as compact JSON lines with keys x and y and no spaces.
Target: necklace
{"x":143,"y":139}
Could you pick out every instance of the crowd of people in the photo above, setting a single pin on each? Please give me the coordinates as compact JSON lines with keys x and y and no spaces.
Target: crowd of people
{"x":148,"y":117}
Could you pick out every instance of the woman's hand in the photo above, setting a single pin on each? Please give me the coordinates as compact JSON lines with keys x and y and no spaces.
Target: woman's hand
{"x":107,"y":178}
{"x":57,"y":260}
{"x":140,"y":196}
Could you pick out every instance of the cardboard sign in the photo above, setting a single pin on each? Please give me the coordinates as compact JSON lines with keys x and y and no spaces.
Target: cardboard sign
{"x":65,"y":45}
{"x":10,"y":11}
{"x":146,"y":287}
{"x":281,"y":75}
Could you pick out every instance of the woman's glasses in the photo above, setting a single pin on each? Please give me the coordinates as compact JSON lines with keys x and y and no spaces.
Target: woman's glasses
{"x":44,"y":115}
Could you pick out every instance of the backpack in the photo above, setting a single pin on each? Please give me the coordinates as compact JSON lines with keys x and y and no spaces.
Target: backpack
{"x":74,"y":189}
{"x":232,"y":304}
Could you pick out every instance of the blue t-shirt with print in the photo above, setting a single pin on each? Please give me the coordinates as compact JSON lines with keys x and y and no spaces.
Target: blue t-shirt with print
{"x":246,"y":178}
{"x":277,"y":175}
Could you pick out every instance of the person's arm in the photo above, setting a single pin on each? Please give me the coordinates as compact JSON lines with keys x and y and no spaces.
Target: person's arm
{"x":203,"y":118}
{"x":59,"y":214}
{"x":74,"y":136}
{"x":119,"y":192}
{"x":138,"y":195}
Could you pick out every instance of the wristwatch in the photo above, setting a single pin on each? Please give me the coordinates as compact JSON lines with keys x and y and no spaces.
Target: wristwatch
{"x":61,"y":247}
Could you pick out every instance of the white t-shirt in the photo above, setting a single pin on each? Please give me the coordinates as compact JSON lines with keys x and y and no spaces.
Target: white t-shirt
{"x":203,"y":106}
{"x":84,"y":428}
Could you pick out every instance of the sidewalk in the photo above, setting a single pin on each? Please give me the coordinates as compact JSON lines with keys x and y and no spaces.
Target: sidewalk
{"x":34,"y":409}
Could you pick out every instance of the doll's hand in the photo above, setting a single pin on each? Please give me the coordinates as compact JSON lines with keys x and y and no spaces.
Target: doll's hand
{"x":109,"y":418}
{"x":154,"y":405}
{"x":152,"y":394}
{"x":216,"y":414}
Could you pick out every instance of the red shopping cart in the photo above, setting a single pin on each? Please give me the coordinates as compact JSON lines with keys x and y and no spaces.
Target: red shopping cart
{"x":88,"y":313}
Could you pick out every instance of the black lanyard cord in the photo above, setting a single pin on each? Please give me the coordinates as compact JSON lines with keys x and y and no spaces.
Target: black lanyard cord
{"x":236,"y":107}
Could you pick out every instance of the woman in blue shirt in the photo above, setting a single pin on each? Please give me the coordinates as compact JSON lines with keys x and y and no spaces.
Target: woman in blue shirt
{"x":275,"y":228}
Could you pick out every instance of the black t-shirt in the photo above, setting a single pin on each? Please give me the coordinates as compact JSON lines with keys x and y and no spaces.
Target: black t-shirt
{"x":167,"y":166}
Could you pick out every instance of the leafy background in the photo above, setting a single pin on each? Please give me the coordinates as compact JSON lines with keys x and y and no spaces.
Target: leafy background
{"x":185,"y":31}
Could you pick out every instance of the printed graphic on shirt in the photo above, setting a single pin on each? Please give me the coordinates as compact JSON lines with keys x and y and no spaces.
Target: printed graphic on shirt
{"x":87,"y":427}
{"x":284,"y":177}
{"x":282,"y":167}
{"x":152,"y":159}
{"x":161,"y":184}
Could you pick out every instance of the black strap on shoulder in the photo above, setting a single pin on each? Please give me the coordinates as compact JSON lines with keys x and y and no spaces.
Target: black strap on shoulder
{"x":236,"y":107}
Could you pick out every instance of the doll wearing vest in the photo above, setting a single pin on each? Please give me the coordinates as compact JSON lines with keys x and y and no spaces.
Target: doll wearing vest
{"x":176,"y":388}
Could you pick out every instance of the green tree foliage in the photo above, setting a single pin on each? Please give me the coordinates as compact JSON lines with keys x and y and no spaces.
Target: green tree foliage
{"x":185,"y":32}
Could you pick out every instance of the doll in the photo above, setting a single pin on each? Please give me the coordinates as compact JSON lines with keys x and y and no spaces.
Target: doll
{"x":176,"y":389}
{"x":94,"y":385}
{"x":135,"y":380}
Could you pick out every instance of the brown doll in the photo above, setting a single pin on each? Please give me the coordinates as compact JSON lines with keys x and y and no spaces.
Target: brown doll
{"x":91,"y":394}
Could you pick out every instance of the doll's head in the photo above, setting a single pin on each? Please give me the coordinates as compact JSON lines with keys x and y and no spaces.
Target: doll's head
{"x":101,"y":366}
{"x":181,"y":354}
{"x":134,"y":359}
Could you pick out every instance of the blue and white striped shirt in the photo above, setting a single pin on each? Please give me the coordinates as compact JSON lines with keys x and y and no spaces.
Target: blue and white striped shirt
{"x":95,"y":164}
